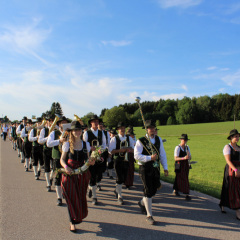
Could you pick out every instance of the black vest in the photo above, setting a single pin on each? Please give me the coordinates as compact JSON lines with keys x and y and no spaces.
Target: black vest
{"x":182,"y":153}
{"x":235,"y":155}
{"x":92,"y":137}
{"x":56,"y":154}
{"x":106,"y":135}
{"x":35,"y":143}
{"x":147,"y":148}
{"x":118,"y":146}
{"x":26,"y":138}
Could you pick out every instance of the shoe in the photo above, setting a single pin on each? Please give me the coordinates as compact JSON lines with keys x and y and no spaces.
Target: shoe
{"x":51,"y":180}
{"x":120,"y":201}
{"x":176,"y":193}
{"x":26,"y":169}
{"x":30,"y":167}
{"x":188,"y":198}
{"x":94,"y":201}
{"x":39,"y":173}
{"x":59,"y":202}
{"x":99,"y":188}
{"x":48,"y":188}
{"x":22,"y":161}
{"x":18,"y":155}
{"x":116,"y":194}
{"x":222,"y":209}
{"x":237,"y":218}
{"x":36,"y":177}
{"x":73,"y":230}
{"x":111,"y":177}
{"x":150,"y":220}
{"x":143,"y":209}
{"x":90,"y":193}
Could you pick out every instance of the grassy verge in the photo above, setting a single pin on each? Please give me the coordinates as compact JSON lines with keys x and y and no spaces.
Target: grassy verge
{"x":206,"y":145}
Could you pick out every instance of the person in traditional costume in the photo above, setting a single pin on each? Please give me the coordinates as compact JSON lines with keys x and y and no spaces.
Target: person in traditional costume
{"x":95,"y":138}
{"x":27,"y":145}
{"x":230,"y":195}
{"x":119,"y":147}
{"x":14,"y":136}
{"x":37,"y":149}
{"x":47,"y":152}
{"x":20,"y":142}
{"x":110,"y":162}
{"x":149,"y":167}
{"x":182,"y":156}
{"x":130,"y":175}
{"x":75,"y":154}
{"x":53,"y":141}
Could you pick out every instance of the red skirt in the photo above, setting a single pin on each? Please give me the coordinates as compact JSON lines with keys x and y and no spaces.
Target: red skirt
{"x":181,"y":183}
{"x":74,"y":191}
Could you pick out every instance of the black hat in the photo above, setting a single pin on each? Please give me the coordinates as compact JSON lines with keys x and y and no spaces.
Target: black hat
{"x":29,"y":121}
{"x":130,"y":132}
{"x":76,"y":125}
{"x":51,"y":117}
{"x":63,"y":118}
{"x":39,"y":119}
{"x":232,"y":133}
{"x":94,"y":117}
{"x":120,"y":124}
{"x":24,"y":118}
{"x":184,"y":136}
{"x":149,"y":124}
{"x":113,"y":131}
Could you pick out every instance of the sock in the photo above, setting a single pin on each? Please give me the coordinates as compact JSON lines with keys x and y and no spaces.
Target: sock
{"x":142,"y":202}
{"x":35,"y":170}
{"x":30,"y":162}
{"x":119,"y":190}
{"x":94,"y":192}
{"x":148,"y":205}
{"x":47,"y":175}
{"x":51,"y":175}
{"x":39,"y":167}
{"x":26,"y":162}
{"x":21,"y":153}
{"x":59,"y":191}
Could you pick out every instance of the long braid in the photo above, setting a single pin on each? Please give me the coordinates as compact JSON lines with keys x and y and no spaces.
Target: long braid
{"x":71,"y":139}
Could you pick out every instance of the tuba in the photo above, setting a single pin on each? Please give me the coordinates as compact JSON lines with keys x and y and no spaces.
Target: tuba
{"x":54,"y":123}
{"x":78,"y":119}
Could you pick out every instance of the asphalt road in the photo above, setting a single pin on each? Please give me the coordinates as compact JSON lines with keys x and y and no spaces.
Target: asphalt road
{"x":28,"y":211}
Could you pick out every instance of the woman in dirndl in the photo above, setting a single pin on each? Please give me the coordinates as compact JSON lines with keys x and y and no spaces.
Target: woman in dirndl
{"x":75,"y":153}
{"x":182,"y":155}
{"x":230,"y":196}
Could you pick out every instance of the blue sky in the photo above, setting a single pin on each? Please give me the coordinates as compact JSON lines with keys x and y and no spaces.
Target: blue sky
{"x":90,"y":55}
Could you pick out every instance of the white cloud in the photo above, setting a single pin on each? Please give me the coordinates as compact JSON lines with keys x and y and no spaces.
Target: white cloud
{"x":184,"y":87}
{"x":178,"y":3}
{"x":173,"y":96}
{"x":225,"y":69}
{"x":232,"y":79}
{"x":212,"y":68}
{"x":26,"y":39}
{"x":232,"y":8}
{"x":117,"y":43}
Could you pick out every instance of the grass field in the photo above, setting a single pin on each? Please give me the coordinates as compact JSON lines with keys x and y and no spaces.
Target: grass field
{"x":206,"y":145}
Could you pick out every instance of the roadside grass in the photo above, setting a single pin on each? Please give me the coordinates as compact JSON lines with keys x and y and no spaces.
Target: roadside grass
{"x":206,"y":145}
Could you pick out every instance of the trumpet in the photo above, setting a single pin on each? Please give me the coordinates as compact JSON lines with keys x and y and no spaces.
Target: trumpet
{"x":31,"y":127}
{"x":54,"y":123}
{"x":78,"y":119}
{"x":41,"y":126}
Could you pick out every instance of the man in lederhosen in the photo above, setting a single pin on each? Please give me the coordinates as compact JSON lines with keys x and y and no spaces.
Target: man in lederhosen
{"x":37,"y":150}
{"x":119,"y":147}
{"x":95,"y":137}
{"x":53,"y":141}
{"x":14,"y":135}
{"x":149,"y":167}
{"x":47,"y":152}
{"x":110,"y":163}
{"x":20,"y":142}
{"x":27,"y":145}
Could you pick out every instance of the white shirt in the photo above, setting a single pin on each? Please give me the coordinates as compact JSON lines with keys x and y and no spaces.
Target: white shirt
{"x":23,"y":133}
{"x":66,"y":147}
{"x":227,"y":149}
{"x":41,"y":138}
{"x":138,"y":149}
{"x":85,"y":137}
{"x":113,"y":142}
{"x":5,"y":129}
{"x":51,"y":142}
{"x":18,"y":131}
{"x":31,"y":137}
{"x":177,"y":150}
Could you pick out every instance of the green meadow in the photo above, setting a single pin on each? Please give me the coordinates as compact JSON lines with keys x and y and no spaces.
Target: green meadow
{"x":206,"y":145}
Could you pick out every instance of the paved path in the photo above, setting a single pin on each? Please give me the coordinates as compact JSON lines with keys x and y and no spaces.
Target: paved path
{"x":29,"y":212}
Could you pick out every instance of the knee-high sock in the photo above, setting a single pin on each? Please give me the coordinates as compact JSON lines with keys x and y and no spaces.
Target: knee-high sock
{"x":142,"y":202}
{"x":22,"y":156}
{"x":18,"y":151}
{"x":39,"y":167}
{"x":26,"y":162}
{"x":30,"y":162}
{"x":59,"y":191}
{"x":51,"y":175}
{"x":47,"y":175}
{"x":110,"y":172}
{"x":94,"y":192}
{"x":35,"y":170}
{"x":148,"y":205}
{"x":119,"y":190}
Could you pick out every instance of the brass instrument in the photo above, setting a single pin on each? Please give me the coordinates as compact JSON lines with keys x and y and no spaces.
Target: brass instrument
{"x":54,"y":123}
{"x":78,"y":119}
{"x":124,"y":145}
{"x":95,"y":143}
